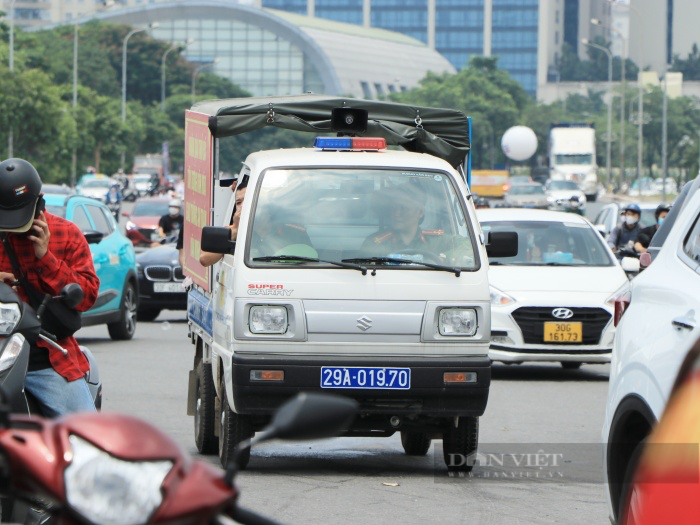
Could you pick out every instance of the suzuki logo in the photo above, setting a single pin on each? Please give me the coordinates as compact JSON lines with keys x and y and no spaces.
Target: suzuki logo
{"x":562,"y":313}
{"x":364,"y":323}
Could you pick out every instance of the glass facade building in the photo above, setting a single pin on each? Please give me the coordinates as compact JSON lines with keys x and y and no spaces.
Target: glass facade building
{"x":459,"y":27}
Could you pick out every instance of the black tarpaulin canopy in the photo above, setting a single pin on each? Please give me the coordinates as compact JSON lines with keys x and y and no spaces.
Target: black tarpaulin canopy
{"x":443,"y":133}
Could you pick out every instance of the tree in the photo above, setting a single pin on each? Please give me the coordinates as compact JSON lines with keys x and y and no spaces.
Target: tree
{"x":690,"y":67}
{"x":573,"y":69}
{"x":482,"y":91}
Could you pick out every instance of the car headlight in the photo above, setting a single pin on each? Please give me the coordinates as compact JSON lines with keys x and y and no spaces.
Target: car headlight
{"x":111,"y":491}
{"x":457,"y":321}
{"x":268,"y":319}
{"x":9,"y":317}
{"x":130,"y":226}
{"x":13,"y":347}
{"x":499,"y":298}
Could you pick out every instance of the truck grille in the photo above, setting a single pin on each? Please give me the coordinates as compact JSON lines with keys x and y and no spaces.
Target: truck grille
{"x":531,"y":322}
{"x":157,"y":273}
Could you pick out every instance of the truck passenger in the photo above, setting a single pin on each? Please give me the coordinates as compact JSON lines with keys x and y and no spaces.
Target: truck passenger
{"x":208,"y":258}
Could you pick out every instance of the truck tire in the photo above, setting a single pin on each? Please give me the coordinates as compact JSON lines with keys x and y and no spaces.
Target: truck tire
{"x":415,"y":443}
{"x":233,"y":429}
{"x":459,"y":444}
{"x":205,"y":413}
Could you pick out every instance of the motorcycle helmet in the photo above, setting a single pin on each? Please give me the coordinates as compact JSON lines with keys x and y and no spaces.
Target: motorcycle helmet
{"x":174,"y":207}
{"x":660,"y":209}
{"x":20,"y":190}
{"x":633,"y":207}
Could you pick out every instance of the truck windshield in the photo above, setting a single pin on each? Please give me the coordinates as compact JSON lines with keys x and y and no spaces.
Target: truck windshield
{"x":355,"y":213}
{"x":581,"y":159}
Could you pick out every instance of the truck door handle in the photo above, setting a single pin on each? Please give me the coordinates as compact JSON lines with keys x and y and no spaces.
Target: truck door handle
{"x":684,"y":322}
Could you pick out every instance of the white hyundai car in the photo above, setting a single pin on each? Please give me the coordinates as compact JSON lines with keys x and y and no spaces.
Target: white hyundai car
{"x":554,"y":300}
{"x":659,"y":321}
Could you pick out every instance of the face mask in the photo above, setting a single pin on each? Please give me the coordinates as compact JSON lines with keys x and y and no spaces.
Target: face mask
{"x":631,"y":220}
{"x":660,"y":221}
{"x":174,"y":211}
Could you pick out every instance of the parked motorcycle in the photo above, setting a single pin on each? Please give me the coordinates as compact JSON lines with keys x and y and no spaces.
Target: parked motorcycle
{"x":117,"y":469}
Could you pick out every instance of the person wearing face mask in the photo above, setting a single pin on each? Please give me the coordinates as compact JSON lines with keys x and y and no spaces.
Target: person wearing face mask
{"x":646,"y":234}
{"x":170,"y":224}
{"x":625,"y":235}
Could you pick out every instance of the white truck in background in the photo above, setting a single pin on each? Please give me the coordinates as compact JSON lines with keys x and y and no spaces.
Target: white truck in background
{"x":572,"y":156}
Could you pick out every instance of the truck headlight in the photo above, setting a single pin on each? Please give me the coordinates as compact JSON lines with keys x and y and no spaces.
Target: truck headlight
{"x":457,"y":321}
{"x":268,"y":319}
{"x":9,"y":317}
{"x":111,"y":491}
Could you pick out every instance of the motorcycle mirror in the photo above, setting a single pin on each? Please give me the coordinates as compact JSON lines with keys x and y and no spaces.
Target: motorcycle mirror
{"x":93,"y":237}
{"x":72,"y":295}
{"x":312,"y":416}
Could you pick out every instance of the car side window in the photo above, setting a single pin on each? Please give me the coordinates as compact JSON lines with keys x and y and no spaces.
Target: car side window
{"x":101,"y":223}
{"x":691,"y":245}
{"x":80,"y":219}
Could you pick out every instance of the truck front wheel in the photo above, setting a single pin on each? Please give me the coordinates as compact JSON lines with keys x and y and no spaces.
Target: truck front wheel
{"x":205,"y":414}
{"x":233,"y":429}
{"x":459,"y":444}
{"x":415,"y":443}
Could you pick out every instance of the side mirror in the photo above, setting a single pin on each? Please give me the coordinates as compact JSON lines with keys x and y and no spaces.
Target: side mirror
{"x":93,"y":237}
{"x":72,"y":295}
{"x":312,"y":416}
{"x":644,"y":260}
{"x":502,"y":244}
{"x":630,"y":264}
{"x":217,"y":239}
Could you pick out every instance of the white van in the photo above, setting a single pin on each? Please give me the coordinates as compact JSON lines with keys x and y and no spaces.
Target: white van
{"x":361,"y":273}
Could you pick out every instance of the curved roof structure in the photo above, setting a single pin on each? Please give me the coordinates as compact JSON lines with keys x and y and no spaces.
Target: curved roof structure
{"x":270,"y":52}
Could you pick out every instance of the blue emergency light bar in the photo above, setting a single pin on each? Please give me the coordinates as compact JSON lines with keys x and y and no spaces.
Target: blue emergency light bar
{"x":350,"y":143}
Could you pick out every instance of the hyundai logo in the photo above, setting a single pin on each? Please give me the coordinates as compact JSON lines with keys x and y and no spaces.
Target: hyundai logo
{"x":364,"y":323}
{"x":562,"y":313}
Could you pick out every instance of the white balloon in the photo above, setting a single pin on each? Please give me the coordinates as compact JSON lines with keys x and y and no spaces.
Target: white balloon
{"x":519,"y":143}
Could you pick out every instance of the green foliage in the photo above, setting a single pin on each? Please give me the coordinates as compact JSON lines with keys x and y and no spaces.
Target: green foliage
{"x":481,"y":90}
{"x":573,"y":69}
{"x":690,"y":67}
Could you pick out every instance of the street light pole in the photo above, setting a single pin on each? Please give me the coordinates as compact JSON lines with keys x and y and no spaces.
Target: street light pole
{"x":126,"y":40}
{"x":10,"y":137}
{"x":172,"y":47}
{"x":597,"y":22}
{"x":74,"y":156}
{"x":608,"y":153}
{"x":197,"y":71}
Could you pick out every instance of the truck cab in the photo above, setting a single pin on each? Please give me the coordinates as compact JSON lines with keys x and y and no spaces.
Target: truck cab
{"x":361,"y":272}
{"x":572,"y":156}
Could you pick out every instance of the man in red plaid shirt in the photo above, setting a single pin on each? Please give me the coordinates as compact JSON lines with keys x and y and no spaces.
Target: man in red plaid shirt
{"x":51,"y":252}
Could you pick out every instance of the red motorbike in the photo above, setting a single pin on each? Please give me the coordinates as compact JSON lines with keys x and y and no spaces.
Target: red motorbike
{"x":112,"y":469}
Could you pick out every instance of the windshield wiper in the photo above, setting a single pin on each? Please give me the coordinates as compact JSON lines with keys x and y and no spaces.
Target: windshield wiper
{"x":298,"y":258}
{"x":394,"y":260}
{"x":552,"y":264}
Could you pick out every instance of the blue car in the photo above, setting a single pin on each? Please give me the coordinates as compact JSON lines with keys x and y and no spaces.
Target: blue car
{"x":114,"y":259}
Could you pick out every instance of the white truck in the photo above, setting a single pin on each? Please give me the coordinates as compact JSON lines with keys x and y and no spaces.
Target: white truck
{"x":572,"y":156}
{"x":327,"y":286}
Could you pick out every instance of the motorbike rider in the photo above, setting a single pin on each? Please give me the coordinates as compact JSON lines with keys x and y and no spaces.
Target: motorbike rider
{"x":646,"y":234}
{"x":113,"y":200}
{"x":626,"y":234}
{"x":51,"y":252}
{"x":170,"y":224}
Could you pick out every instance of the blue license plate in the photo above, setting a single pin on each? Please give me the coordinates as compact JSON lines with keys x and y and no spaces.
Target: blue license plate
{"x":365,"y":377}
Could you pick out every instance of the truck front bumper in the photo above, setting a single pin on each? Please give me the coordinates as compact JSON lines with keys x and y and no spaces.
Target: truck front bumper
{"x":428,"y":395}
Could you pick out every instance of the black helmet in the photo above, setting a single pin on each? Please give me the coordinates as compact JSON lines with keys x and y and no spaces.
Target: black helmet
{"x":20,"y":188}
{"x":660,"y":209}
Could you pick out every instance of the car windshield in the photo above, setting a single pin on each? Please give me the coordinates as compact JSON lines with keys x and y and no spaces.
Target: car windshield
{"x":580,"y":159}
{"x":150,"y":208}
{"x":563,"y":185}
{"x":550,"y":243}
{"x":359,"y":215}
{"x":527,"y":189}
{"x":98,"y":183}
